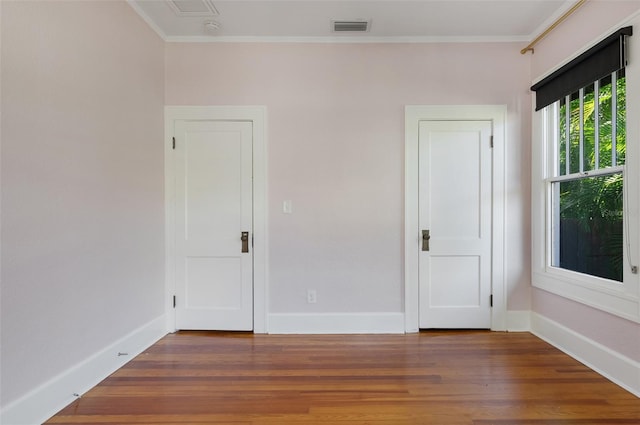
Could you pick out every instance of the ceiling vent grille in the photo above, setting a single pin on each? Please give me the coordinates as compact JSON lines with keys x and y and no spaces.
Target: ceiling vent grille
{"x":351,"y":26}
{"x":192,"y":8}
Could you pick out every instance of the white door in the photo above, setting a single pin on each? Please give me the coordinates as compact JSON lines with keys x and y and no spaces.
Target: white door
{"x":455,"y":224}
{"x":213,"y":213}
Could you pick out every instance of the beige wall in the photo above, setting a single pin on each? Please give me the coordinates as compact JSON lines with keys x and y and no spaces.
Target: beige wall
{"x":82,"y":184}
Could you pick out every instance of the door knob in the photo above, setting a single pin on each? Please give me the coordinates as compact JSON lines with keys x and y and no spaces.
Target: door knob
{"x":425,"y":240}
{"x":244,"y":237}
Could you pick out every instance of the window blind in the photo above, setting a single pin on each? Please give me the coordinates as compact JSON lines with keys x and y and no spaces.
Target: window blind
{"x":599,"y":61}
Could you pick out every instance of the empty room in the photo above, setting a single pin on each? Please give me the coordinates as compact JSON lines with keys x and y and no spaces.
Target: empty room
{"x":317,"y":211}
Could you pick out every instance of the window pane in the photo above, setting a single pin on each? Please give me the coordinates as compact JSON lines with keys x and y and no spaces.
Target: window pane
{"x":621,"y":122}
{"x":589,"y":129}
{"x":562,"y":138}
{"x":605,"y":123}
{"x":588,"y":229}
{"x":574,"y":135}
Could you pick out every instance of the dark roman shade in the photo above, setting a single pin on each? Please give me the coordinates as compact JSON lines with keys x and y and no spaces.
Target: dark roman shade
{"x":596,"y":63}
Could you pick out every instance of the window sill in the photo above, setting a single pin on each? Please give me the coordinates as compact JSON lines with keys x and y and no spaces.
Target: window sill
{"x":602,"y":295}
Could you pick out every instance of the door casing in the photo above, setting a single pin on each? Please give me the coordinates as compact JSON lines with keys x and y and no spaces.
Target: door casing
{"x":256,"y":115}
{"x":413,"y":115}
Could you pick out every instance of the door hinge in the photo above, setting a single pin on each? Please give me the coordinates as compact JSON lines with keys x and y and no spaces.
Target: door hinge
{"x":491,"y":141}
{"x":174,"y":143}
{"x":174,"y":301}
{"x":491,"y":300}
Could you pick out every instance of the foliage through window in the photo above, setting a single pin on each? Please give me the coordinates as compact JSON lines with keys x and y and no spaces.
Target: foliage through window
{"x":587,"y":179}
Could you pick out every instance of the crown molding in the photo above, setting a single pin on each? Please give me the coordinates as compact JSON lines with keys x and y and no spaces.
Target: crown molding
{"x":147,"y":19}
{"x":343,"y":40}
{"x":550,"y":20}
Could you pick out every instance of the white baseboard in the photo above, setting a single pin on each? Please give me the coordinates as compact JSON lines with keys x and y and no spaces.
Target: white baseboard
{"x":518,"y":321}
{"x":336,"y":323}
{"x":612,"y":365}
{"x":45,"y":401}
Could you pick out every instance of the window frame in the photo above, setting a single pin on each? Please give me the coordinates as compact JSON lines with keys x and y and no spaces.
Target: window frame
{"x":618,"y":298}
{"x":558,"y":175}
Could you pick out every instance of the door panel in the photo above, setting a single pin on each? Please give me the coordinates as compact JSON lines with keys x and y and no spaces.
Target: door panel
{"x":214,"y":279}
{"x":453,"y":159}
{"x":455,"y":206}
{"x":457,"y":272}
{"x":208,"y":286}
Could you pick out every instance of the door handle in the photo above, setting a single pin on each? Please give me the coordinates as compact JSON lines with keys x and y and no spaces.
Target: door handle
{"x":244,"y":237}
{"x":425,"y":240}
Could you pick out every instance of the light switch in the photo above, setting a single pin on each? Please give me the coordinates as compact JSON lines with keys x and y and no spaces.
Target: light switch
{"x":286,"y":207}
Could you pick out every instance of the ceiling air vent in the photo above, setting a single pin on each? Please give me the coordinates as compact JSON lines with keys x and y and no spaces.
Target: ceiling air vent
{"x":192,"y":8}
{"x":351,"y":26}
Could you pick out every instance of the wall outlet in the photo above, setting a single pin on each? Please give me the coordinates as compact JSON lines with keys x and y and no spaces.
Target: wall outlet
{"x":311,"y":296}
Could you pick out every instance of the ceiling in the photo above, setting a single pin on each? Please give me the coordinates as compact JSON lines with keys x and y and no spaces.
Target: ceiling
{"x":311,"y":20}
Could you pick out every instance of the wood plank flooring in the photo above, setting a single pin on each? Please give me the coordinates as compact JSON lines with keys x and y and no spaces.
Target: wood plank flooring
{"x":440,"y":377}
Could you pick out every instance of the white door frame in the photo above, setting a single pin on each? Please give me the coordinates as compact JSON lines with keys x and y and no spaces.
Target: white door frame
{"x":257,"y":115}
{"x":413,"y":115}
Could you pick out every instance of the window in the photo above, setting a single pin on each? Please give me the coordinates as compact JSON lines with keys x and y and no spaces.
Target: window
{"x":584,"y":104}
{"x":586,"y":178}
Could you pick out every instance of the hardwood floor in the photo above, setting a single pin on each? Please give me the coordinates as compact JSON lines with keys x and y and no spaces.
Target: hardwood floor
{"x":440,"y":377}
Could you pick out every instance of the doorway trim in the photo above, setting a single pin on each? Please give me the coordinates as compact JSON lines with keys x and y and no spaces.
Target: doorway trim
{"x":256,"y":115}
{"x":413,"y":115}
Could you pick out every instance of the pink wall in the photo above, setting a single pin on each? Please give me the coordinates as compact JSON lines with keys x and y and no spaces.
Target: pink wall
{"x":620,"y":335}
{"x":594,"y":19}
{"x":587,"y":26}
{"x":82,"y":184}
{"x":82,"y":178}
{"x":336,"y":149}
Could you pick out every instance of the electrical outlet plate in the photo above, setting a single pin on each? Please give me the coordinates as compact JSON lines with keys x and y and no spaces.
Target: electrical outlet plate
{"x":311,"y":296}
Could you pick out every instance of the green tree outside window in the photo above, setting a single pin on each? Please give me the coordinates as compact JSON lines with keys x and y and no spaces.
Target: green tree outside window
{"x":591,"y":207}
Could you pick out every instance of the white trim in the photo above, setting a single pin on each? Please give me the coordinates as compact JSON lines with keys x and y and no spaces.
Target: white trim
{"x":344,"y":39}
{"x":518,"y":321}
{"x":147,"y":19}
{"x":257,"y":115}
{"x":413,"y":115}
{"x":49,"y":398}
{"x":614,"y":366}
{"x":568,"y":4}
{"x":336,"y":323}
{"x":602,"y":297}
